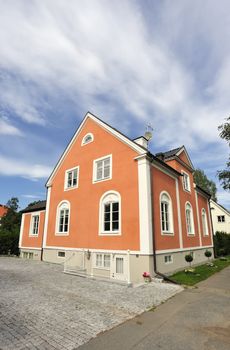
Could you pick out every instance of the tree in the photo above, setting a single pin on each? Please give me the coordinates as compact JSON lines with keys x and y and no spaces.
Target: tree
{"x":208,"y":254}
{"x":189,"y":259}
{"x":33,"y":203}
{"x":224,"y":175}
{"x":208,"y":185}
{"x":10,"y":228}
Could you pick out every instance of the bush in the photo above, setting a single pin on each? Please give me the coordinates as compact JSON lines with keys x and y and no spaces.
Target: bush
{"x":208,"y":254}
{"x":222,"y":243}
{"x":189,"y":258}
{"x":9,"y":243}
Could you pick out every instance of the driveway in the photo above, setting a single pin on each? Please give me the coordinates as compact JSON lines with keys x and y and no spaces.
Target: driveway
{"x":196,"y":319}
{"x":43,"y":308}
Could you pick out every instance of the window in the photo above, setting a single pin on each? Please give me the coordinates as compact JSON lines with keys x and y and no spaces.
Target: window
{"x":166,"y":213}
{"x":204,"y":222}
{"x":102,"y":169}
{"x":120,"y":265}
{"x":189,"y":219}
{"x":87,"y":139}
{"x":110,"y":213}
{"x":186,"y":181}
{"x":221,"y":218}
{"x":168,"y":259}
{"x":34,"y":225}
{"x":103,"y":261}
{"x":61,"y":254}
{"x":71,"y":178}
{"x":63,"y":217}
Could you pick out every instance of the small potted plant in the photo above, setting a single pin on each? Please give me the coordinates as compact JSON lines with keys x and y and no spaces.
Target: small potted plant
{"x":147,"y":277}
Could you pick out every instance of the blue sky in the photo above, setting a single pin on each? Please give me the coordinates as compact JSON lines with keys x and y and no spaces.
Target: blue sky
{"x":129,"y":62}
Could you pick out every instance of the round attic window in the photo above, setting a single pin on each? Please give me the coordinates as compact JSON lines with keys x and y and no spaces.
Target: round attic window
{"x":87,"y":139}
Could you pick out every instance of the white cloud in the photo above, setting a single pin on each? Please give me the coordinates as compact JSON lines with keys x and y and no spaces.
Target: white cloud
{"x":7,"y":129}
{"x":14,"y":167}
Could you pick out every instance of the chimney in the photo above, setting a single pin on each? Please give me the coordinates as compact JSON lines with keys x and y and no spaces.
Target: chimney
{"x":142,"y":141}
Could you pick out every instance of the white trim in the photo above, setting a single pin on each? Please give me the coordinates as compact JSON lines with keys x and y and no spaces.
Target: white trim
{"x":66,"y":188}
{"x":192,"y":218}
{"x":219,"y":206}
{"x":94,"y":180}
{"x":46,"y":217}
{"x":103,"y":261}
{"x":171,"y":223}
{"x":179,"y":214}
{"x":186,"y":153}
{"x":30,"y":248}
{"x":108,"y":128}
{"x":145,"y":205}
{"x":83,"y":143}
{"x":57,"y":233}
{"x":165,"y":251}
{"x":21,"y":230}
{"x":168,"y":262}
{"x":35,"y":213}
{"x":101,"y":231}
{"x":198,"y":218}
{"x":133,"y":252}
{"x":210,"y":222}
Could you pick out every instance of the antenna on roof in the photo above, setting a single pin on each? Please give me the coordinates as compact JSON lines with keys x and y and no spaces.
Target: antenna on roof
{"x":148,"y":132}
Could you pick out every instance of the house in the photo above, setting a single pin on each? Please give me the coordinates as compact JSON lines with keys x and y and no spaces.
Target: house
{"x":3,"y":211}
{"x":114,"y":210}
{"x":220,"y":217}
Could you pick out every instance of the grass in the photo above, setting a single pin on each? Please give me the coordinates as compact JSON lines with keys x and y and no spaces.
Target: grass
{"x":200,"y":273}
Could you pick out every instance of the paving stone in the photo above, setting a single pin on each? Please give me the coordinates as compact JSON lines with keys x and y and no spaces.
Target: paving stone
{"x":43,"y":308}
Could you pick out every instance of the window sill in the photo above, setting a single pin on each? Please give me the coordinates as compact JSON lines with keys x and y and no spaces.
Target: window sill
{"x":70,"y":188}
{"x":167,"y":233}
{"x":31,"y":235}
{"x":110,"y":233}
{"x":102,"y":180}
{"x":102,"y":268}
{"x":61,"y":233}
{"x":191,"y":234}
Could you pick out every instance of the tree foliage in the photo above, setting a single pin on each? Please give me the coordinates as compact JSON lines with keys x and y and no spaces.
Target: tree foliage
{"x":201,"y":180}
{"x":224,"y":175}
{"x":10,"y":228}
{"x":222,"y":243}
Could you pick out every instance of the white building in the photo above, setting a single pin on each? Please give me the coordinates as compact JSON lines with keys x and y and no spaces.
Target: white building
{"x":220,"y":217}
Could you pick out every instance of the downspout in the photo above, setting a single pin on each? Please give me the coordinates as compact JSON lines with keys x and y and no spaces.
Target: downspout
{"x":210,"y":213}
{"x":166,"y":278}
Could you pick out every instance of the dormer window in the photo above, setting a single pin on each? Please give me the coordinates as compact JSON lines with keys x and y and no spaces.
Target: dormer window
{"x":87,"y":139}
{"x":186,"y":182}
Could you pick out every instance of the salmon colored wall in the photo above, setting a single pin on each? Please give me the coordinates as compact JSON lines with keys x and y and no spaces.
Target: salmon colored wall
{"x":3,"y":210}
{"x":33,"y":241}
{"x":184,"y":158}
{"x":162,"y":182}
{"x":84,"y":212}
{"x":203,"y":203}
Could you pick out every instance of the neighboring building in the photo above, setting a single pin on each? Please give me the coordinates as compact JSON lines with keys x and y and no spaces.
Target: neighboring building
{"x":112,"y":206}
{"x":220,"y":217}
{"x":3,"y":211}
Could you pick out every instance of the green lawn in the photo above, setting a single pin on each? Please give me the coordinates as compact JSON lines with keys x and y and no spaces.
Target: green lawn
{"x":200,"y":272}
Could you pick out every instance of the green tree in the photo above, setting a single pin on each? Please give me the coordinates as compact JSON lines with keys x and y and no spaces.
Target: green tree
{"x":224,"y":175}
{"x":10,"y":228}
{"x":201,"y":180}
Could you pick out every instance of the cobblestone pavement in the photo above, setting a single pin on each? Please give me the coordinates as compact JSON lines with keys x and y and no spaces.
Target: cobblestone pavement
{"x":43,"y":308}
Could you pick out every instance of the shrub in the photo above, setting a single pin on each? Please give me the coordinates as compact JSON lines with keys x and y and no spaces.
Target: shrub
{"x":189,"y":258}
{"x":208,"y":254}
{"x":222,"y":243}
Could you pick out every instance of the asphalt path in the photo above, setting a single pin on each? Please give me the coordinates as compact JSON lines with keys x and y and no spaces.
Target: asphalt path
{"x":198,"y":318}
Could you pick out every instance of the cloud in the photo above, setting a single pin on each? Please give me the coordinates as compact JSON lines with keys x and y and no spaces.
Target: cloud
{"x":30,"y":196}
{"x":7,"y":129}
{"x":14,"y":167}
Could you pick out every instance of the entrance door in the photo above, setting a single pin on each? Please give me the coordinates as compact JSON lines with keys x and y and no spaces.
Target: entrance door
{"x":119,"y":267}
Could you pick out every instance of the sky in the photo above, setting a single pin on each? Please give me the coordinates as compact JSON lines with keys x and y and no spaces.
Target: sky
{"x":131,"y":63}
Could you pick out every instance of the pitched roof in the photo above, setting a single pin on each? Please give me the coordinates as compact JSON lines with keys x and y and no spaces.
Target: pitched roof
{"x":168,"y":154}
{"x":41,"y":205}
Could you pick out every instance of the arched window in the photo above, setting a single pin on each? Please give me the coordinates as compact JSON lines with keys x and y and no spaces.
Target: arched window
{"x":166,"y":213}
{"x":110,"y":213}
{"x":189,"y":219}
{"x":204,"y":222}
{"x":87,"y":139}
{"x":63,"y":218}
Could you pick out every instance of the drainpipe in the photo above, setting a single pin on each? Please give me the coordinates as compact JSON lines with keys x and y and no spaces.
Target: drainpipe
{"x":210,"y":214}
{"x":166,"y":278}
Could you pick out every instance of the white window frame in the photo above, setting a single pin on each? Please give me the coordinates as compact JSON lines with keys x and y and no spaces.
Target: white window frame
{"x":170,"y":213}
{"x":186,"y":188}
{"x":170,"y":261}
{"x":59,"y":208}
{"x":221,"y":216}
{"x":66,"y":188}
{"x":95,"y":180}
{"x":84,"y":139}
{"x":102,"y":265}
{"x":108,"y":197}
{"x":204,"y":222}
{"x":35,"y":214}
{"x":192,"y":233}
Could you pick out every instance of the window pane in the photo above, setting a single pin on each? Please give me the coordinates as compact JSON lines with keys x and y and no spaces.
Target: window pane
{"x":115,"y":216}
{"x":115,"y":206}
{"x":107,"y":217}
{"x":107,"y":208}
{"x":115,"y":225}
{"x":119,"y":265}
{"x":106,"y":260}
{"x":107,"y":226}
